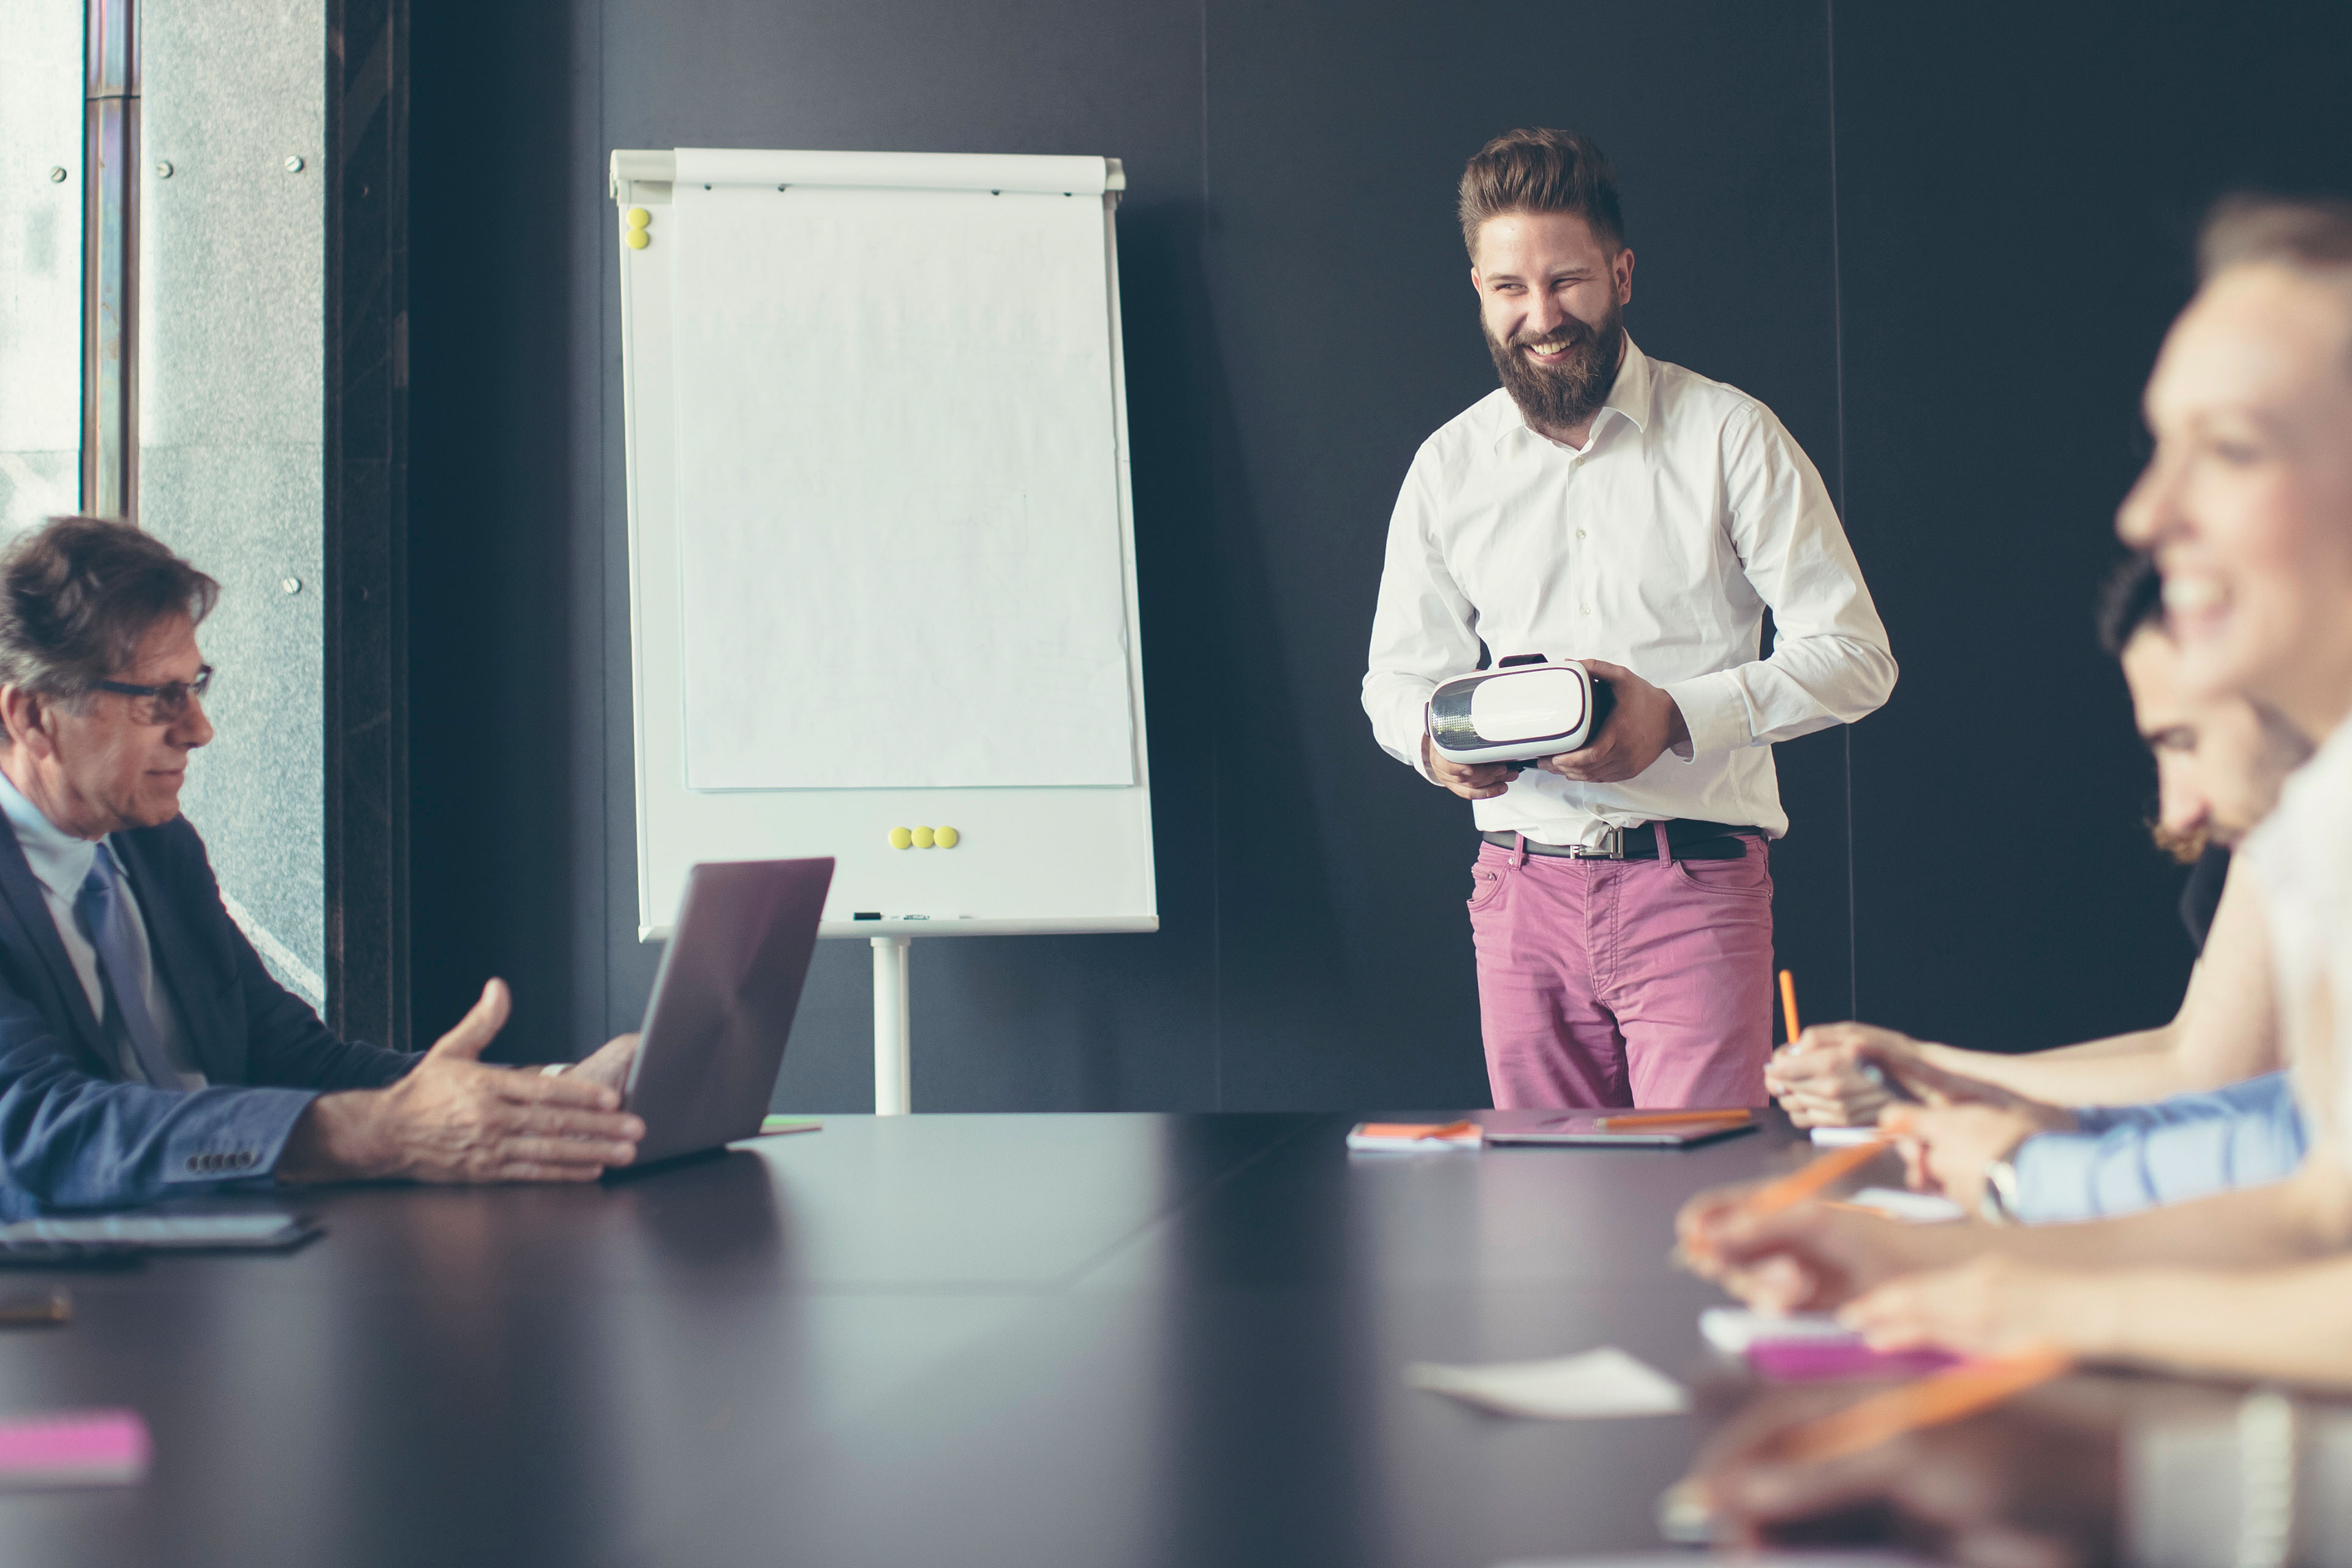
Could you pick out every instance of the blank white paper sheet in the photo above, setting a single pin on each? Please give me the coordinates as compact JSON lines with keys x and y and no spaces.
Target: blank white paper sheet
{"x":898,"y":537}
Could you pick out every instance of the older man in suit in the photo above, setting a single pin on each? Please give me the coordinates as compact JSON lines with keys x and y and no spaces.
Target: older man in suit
{"x":145,"y":1051}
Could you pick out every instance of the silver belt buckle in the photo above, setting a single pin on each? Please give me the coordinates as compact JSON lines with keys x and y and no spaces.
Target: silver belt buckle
{"x":1610,"y":848}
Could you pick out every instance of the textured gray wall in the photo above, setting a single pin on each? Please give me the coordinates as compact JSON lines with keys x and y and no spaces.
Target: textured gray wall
{"x":231,"y":433}
{"x":40,"y":259}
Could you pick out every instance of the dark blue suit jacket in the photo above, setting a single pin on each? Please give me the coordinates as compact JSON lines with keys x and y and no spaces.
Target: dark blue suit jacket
{"x":70,"y":1135}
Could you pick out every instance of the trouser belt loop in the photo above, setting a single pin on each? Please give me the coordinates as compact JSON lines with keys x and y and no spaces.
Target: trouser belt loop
{"x":1665,"y":844}
{"x":1518,"y":851}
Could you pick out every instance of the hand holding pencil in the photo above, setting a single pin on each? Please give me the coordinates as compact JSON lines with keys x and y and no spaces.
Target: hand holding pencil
{"x":1842,"y":1075}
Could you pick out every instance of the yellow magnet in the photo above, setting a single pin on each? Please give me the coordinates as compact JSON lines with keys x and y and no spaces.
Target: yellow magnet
{"x":639,"y":218}
{"x":923,"y":838}
{"x":636,"y":239}
{"x":948,"y":837}
{"x":900,"y":838}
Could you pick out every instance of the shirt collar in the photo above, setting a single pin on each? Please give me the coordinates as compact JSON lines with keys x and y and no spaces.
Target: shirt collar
{"x":1628,"y":395}
{"x":60,"y":860}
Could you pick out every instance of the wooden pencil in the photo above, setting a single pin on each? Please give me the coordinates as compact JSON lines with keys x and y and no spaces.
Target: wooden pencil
{"x":1804,"y":1183}
{"x":1664,"y":1118}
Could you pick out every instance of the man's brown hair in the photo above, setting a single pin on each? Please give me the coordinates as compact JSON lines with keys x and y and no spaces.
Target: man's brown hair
{"x":2313,"y":235}
{"x":75,"y":596}
{"x":1541,"y":171}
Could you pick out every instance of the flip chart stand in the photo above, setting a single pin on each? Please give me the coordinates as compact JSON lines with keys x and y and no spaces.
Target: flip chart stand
{"x":894,"y":1089}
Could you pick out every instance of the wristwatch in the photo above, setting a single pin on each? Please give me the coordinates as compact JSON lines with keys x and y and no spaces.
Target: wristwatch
{"x":1998,"y":1205}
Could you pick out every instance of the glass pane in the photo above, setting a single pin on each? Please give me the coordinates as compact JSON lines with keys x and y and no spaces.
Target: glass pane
{"x":40,"y":259}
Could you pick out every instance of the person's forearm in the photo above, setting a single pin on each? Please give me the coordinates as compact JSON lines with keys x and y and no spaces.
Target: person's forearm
{"x":2281,"y":1324}
{"x":2255,"y":1227}
{"x":2121,"y":1070}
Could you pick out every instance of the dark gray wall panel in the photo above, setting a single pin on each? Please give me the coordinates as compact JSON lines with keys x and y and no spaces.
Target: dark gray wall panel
{"x":506,"y":725}
{"x":2020,"y":186}
{"x":1295,"y":324}
{"x":2017,"y":190}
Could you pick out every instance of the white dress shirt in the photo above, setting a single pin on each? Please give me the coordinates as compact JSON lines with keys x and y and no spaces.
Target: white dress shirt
{"x":2301,"y":856}
{"x":1657,"y":546}
{"x":61,"y":863}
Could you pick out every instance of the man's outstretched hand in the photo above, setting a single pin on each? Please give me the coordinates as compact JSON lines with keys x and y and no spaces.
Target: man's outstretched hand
{"x":609,"y":1066}
{"x":454,"y":1119}
{"x":1640,"y":728}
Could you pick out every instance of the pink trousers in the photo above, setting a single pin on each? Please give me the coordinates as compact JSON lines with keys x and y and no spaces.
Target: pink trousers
{"x":1605,"y":982}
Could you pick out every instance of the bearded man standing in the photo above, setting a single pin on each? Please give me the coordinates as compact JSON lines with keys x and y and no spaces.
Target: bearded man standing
{"x":1610,"y":508}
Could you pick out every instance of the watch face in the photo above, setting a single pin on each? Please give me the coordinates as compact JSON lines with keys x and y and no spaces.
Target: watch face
{"x":2000,"y":1202}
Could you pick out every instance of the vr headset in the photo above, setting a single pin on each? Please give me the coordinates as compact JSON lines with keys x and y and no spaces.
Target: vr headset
{"x":1525,"y":706}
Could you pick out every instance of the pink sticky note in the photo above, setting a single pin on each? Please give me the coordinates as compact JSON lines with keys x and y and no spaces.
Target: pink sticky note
{"x":73,"y":1448}
{"x":1802,"y":1360}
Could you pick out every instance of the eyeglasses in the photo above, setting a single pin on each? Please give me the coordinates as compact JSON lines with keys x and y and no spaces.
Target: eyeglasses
{"x":165,"y":703}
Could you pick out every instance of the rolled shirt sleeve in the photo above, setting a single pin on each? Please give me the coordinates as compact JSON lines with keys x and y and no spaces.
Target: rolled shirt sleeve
{"x":1830,"y":662}
{"x":2124,"y":1158}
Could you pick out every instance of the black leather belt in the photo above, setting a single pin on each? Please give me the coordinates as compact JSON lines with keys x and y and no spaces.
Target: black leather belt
{"x":1689,"y":839}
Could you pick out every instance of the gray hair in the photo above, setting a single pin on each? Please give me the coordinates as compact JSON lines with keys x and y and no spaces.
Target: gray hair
{"x":78,"y":593}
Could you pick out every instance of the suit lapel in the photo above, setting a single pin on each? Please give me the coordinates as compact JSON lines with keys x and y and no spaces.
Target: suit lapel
{"x":179,"y":959}
{"x":21,"y":891}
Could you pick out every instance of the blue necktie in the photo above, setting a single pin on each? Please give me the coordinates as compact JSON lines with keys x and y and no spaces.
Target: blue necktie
{"x":105,"y":918}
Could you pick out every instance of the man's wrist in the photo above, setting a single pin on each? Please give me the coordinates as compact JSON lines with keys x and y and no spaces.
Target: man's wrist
{"x":337,"y":1139}
{"x":1427,"y":767}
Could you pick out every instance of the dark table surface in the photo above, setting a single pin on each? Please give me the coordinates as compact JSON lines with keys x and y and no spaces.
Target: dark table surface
{"x":1046,"y":1340}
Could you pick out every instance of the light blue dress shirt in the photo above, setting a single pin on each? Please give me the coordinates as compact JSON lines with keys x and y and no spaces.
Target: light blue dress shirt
{"x":2132,"y":1157}
{"x":61,"y":863}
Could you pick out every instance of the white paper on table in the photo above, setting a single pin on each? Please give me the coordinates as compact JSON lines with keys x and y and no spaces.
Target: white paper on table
{"x":1732,"y":1330}
{"x":900,"y":549}
{"x":1766,"y":1559}
{"x":1839,"y":1137}
{"x":1606,"y":1382}
{"x":1911,"y":1209}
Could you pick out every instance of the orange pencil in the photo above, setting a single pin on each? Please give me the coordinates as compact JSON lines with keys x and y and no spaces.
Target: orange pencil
{"x":1451,"y":1129}
{"x":1788,"y":1004}
{"x":1945,"y":1396}
{"x":1662,"y":1117}
{"x":1796,"y":1186}
{"x":1802,"y":1184}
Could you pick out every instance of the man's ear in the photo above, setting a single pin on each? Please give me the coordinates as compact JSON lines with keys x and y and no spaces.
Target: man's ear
{"x":25,"y":716}
{"x":1623,"y":267}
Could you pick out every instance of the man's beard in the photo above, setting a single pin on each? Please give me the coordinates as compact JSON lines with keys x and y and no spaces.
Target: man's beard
{"x":1569,"y":392}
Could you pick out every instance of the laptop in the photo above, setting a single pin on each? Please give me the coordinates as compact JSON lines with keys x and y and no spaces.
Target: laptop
{"x":722,"y":1003}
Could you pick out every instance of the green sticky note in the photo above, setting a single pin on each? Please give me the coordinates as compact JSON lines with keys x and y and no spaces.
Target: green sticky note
{"x":788,"y":1124}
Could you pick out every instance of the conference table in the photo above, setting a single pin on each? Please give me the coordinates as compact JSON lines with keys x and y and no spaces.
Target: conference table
{"x":1035,"y":1340}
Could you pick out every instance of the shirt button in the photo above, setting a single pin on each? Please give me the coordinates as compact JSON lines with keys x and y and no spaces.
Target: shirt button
{"x":1579,"y":533}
